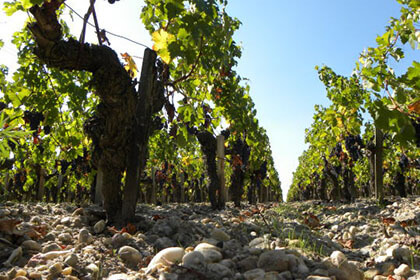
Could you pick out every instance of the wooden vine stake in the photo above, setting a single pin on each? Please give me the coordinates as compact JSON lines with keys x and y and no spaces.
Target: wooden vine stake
{"x":153,"y":198}
{"x":182,"y":187}
{"x":6,"y":181}
{"x":41,"y":185}
{"x":379,"y":195}
{"x":99,"y":198}
{"x":221,"y":167}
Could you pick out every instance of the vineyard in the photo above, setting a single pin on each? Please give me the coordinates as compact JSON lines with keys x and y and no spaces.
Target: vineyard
{"x":148,"y":135}
{"x":367,"y":142}
{"x":116,"y":170}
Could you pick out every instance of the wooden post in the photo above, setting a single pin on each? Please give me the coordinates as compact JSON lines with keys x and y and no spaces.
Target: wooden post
{"x":99,"y":198}
{"x":379,"y":194}
{"x":182,"y":188}
{"x":41,"y":183}
{"x":153,"y":200}
{"x":6,"y":181}
{"x":221,"y":167}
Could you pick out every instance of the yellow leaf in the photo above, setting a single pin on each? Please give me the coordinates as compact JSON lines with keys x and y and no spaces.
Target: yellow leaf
{"x":186,"y":160}
{"x":340,"y":123}
{"x":414,"y":107}
{"x":131,"y":66}
{"x":161,"y":40}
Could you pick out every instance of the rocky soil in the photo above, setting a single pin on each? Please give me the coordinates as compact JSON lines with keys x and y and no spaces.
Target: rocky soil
{"x":309,"y":240}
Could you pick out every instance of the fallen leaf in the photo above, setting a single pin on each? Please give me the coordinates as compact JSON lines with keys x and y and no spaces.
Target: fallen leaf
{"x":113,"y":230}
{"x":157,"y":217}
{"x":8,"y":226}
{"x":31,"y":233}
{"x":408,"y":223}
{"x":311,"y":221}
{"x":131,"y":229}
{"x":241,"y":218}
{"x":388,"y":221}
{"x":246,"y":213}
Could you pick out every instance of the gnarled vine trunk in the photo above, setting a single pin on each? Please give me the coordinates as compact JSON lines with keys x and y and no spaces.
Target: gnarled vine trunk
{"x":209,"y":147}
{"x":116,"y":117}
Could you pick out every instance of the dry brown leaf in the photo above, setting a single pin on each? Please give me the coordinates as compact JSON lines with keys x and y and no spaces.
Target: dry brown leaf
{"x":311,"y":221}
{"x":388,"y":221}
{"x":8,"y":226}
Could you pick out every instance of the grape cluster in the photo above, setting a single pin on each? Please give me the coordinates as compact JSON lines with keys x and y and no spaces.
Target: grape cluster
{"x":34,"y":119}
{"x":403,"y":163}
{"x":157,"y":123}
{"x":191,"y":129}
{"x":2,"y":106}
{"x":337,"y":151}
{"x":225,"y":133}
{"x":262,"y":172}
{"x":416,"y":124}
{"x":354,"y":145}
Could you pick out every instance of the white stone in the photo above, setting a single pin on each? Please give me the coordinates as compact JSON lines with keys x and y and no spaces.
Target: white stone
{"x":99,"y":226}
{"x":165,"y":257}
{"x":194,"y":259}
{"x":120,"y":276}
{"x":92,"y":268}
{"x":85,"y":236}
{"x":206,"y":246}
{"x":353,"y":230}
{"x":130,"y":255}
{"x":337,"y":258}
{"x":347,"y":236}
{"x":334,"y":228}
{"x":65,"y":237}
{"x":403,"y":270}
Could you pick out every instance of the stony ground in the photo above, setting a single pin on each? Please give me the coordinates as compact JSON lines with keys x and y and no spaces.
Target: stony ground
{"x":309,"y":240}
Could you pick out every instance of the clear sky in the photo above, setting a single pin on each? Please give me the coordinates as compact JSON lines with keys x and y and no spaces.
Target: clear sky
{"x":282,"y":42}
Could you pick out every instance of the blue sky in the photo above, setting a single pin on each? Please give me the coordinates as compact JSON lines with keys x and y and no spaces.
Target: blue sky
{"x":282,"y":42}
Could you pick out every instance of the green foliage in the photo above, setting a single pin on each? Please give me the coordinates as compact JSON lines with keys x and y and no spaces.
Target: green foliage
{"x":375,"y":88}
{"x":201,"y":61}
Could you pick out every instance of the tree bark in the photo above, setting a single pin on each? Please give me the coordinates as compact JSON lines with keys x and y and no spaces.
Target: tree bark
{"x":379,"y":180}
{"x":112,"y":84}
{"x":209,"y":147}
{"x":151,"y":98}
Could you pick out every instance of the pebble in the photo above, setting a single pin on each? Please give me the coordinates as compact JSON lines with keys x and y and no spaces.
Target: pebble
{"x":337,"y":258}
{"x":222,"y":247}
{"x":219,"y":235}
{"x":165,"y":257}
{"x":211,"y":256}
{"x":99,"y":226}
{"x":274,"y":260}
{"x":31,"y":245}
{"x":130,"y":255}
{"x":71,"y":260}
{"x":55,"y":269}
{"x":219,"y":271}
{"x":403,"y":270}
{"x":65,"y":237}
{"x":255,"y":274}
{"x":85,"y":237}
{"x":194,"y":259}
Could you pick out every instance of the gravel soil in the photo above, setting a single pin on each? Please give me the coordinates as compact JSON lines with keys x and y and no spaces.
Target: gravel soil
{"x":300,"y":240}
